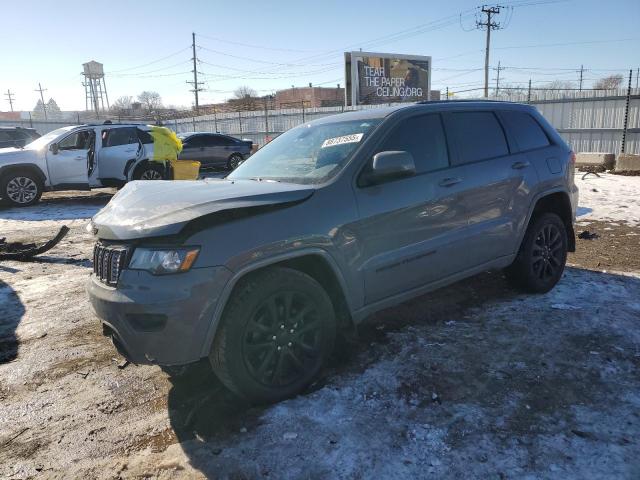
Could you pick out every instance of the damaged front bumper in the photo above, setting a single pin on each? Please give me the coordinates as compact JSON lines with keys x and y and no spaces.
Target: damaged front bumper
{"x":162,"y":320}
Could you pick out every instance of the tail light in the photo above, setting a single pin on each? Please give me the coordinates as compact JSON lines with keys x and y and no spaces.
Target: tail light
{"x":571,"y":168}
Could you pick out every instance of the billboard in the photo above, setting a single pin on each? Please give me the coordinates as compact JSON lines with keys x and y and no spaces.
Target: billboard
{"x":374,"y":78}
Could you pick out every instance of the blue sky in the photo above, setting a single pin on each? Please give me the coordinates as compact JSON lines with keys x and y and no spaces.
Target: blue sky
{"x":273,"y":45}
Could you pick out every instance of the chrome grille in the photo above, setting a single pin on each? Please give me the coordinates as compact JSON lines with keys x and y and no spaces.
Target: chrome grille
{"x":108,"y":262}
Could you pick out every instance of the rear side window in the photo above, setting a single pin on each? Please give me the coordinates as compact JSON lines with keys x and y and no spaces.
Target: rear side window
{"x":526,"y":131}
{"x":476,"y":135}
{"x":424,"y":138}
{"x":119,"y":136}
{"x":144,"y":136}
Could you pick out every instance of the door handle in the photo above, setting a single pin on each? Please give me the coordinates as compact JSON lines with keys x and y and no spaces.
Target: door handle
{"x":449,"y":182}
{"x":80,"y":158}
{"x":520,"y":165}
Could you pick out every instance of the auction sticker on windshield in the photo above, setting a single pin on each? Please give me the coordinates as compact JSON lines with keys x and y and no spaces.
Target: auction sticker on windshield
{"x":353,"y":138}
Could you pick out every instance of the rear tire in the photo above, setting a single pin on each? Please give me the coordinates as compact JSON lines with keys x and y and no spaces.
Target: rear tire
{"x":542,"y":256}
{"x":233,"y":161}
{"x":149,"y":172}
{"x":276,"y":334}
{"x":21,"y":188}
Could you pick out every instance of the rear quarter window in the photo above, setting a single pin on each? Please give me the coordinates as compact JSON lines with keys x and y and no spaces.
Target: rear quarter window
{"x":525,"y":130}
{"x":476,"y":135}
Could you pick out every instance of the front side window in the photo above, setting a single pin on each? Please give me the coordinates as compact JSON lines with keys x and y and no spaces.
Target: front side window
{"x":77,"y":141}
{"x":195,"y":141}
{"x":308,"y":154}
{"x":476,"y":135}
{"x":48,"y":138}
{"x":423,"y":137}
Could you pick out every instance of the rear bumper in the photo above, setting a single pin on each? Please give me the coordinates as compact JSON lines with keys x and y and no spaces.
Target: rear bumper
{"x":160,"y":320}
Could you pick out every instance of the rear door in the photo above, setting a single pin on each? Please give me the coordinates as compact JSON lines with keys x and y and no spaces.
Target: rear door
{"x":492,"y":183}
{"x":534,"y":155}
{"x":409,"y":228}
{"x":118,"y":146}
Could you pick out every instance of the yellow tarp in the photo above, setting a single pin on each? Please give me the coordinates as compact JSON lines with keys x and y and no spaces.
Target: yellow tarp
{"x":166,"y":145}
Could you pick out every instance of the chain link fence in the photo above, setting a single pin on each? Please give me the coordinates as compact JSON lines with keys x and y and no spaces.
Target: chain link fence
{"x":589,"y":120}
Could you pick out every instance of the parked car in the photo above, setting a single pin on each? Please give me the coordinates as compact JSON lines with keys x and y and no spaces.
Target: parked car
{"x":214,"y":149}
{"x":17,"y":136}
{"x":77,"y":158}
{"x":328,"y":223}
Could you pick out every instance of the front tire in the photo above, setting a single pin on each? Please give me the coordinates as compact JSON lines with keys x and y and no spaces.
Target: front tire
{"x":21,"y":188}
{"x":542,"y":256}
{"x":276,"y":334}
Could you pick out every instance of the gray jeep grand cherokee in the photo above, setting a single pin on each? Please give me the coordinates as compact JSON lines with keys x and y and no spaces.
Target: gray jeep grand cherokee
{"x":333,"y":220}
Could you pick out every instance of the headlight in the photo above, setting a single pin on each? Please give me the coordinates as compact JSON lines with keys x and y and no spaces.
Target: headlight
{"x":162,"y":261}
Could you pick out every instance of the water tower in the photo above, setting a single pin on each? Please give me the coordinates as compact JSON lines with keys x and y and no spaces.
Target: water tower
{"x":94,"y":87}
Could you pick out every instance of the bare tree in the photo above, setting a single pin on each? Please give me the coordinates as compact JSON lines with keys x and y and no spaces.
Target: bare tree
{"x":151,"y":101}
{"x":561,"y":85}
{"x":243,"y":92}
{"x":509,"y":91}
{"x":245,"y":98}
{"x":122,"y":104}
{"x":609,"y":83}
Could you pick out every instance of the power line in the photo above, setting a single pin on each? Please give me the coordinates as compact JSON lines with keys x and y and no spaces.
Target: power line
{"x":9,"y":96}
{"x":150,"y":63}
{"x":260,"y":47}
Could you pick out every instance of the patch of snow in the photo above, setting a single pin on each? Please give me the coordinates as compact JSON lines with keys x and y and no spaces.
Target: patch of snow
{"x":609,"y":198}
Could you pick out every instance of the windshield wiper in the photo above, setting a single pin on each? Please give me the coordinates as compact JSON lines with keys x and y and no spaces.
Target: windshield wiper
{"x":260,"y":179}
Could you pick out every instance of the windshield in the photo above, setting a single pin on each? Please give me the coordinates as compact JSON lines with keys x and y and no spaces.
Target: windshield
{"x":309,"y":154}
{"x":48,"y":138}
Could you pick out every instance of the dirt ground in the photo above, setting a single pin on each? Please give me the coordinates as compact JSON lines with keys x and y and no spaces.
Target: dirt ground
{"x":472,"y":381}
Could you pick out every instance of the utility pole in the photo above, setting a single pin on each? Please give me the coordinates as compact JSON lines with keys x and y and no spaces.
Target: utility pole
{"x":9,"y":96}
{"x":489,"y":25}
{"x":498,"y":78}
{"x":581,"y":72}
{"x":637,"y":77}
{"x":44,"y":106}
{"x":529,"y":92}
{"x":195,"y":83}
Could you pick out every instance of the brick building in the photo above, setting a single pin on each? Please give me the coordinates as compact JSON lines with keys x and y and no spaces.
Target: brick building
{"x":310,"y":96}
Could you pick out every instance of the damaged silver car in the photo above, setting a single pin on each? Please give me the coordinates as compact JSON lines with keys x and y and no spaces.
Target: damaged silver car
{"x":261,"y":271}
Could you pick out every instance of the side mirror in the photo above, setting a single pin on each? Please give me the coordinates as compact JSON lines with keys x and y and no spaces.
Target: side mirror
{"x":391,"y":165}
{"x":54,"y":148}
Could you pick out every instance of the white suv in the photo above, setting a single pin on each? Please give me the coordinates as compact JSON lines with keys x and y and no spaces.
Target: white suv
{"x":78,"y":158}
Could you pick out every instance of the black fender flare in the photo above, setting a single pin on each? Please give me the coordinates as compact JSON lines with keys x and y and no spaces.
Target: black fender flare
{"x":32,"y":167}
{"x":268,"y":262}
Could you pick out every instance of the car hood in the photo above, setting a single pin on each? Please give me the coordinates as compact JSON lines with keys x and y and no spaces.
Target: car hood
{"x":156,"y":208}
{"x":12,"y":155}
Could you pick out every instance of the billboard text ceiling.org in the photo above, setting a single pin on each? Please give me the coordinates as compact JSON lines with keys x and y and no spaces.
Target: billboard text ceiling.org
{"x":374,"y":78}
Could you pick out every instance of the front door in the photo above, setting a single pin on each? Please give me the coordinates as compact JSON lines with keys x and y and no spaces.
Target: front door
{"x":410,"y":228}
{"x":118,"y":147}
{"x":68,"y":165}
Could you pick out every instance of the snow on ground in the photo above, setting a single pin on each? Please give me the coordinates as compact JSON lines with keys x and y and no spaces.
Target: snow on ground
{"x":614,"y":198}
{"x":471,"y":381}
{"x":510,"y":388}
